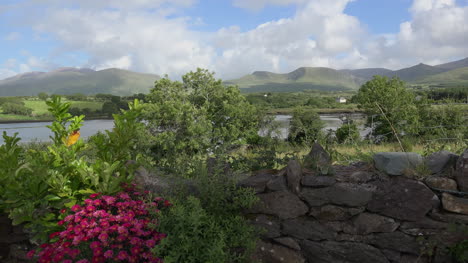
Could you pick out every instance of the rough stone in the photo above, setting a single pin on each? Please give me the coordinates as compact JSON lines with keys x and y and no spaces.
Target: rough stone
{"x":288,"y":242}
{"x":449,"y":217}
{"x":439,"y":161}
{"x":360,"y":177}
{"x":339,"y":194}
{"x":269,"y":226}
{"x":317,"y":157}
{"x":351,"y":238}
{"x":367,"y":223}
{"x":282,"y":204}
{"x":278,"y":183}
{"x":395,"y":241}
{"x":271,"y":253}
{"x":441,"y":183}
{"x":455,"y":204}
{"x":407,"y":258}
{"x":306,"y":228}
{"x":318,"y":181}
{"x":341,"y":252}
{"x":334,"y":213}
{"x":391,"y":255}
{"x":403,"y":199}
{"x":425,"y":226}
{"x":461,"y":171}
{"x":397,"y":163}
{"x":257,"y":182}
{"x":294,"y":176}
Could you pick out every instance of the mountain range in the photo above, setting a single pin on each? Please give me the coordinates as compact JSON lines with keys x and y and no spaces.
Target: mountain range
{"x":75,"y":80}
{"x":327,"y":79}
{"x":124,"y":82}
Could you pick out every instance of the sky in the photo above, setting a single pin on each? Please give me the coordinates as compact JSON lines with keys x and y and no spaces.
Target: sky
{"x":230,"y":37}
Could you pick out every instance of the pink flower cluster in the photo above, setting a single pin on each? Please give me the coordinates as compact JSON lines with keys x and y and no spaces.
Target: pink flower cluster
{"x":105,"y":229}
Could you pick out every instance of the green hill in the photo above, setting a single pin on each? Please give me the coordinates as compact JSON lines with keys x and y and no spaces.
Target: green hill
{"x":416,"y":72}
{"x":304,"y":78}
{"x":456,"y":77}
{"x":72,"y":80}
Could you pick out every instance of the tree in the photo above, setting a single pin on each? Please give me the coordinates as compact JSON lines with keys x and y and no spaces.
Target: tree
{"x":347,"y":133}
{"x":391,"y":108}
{"x":13,"y":108}
{"x":43,"y":96}
{"x":305,"y":126}
{"x":199,"y":115}
{"x":109,"y":108}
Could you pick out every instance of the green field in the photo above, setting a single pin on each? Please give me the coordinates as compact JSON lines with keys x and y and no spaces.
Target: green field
{"x":40,"y":111}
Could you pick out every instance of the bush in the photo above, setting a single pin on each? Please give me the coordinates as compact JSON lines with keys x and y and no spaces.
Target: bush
{"x":105,"y":228}
{"x":13,"y":108}
{"x":37,"y":183}
{"x":347,"y":133}
{"x":305,"y":126}
{"x":209,"y":228}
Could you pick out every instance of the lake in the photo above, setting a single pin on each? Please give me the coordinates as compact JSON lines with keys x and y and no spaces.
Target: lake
{"x":37,"y":131}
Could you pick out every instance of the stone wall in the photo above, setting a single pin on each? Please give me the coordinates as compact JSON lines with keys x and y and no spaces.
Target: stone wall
{"x":14,"y":243}
{"x":359,"y":214}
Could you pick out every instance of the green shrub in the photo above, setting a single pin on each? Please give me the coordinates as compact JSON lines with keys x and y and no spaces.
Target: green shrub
{"x":13,"y":108}
{"x":37,"y":183}
{"x":347,"y":133}
{"x":210,"y":227}
{"x":305,"y":126}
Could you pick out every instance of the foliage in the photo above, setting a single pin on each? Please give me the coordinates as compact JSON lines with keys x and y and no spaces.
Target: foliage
{"x":347,"y":133}
{"x":444,"y":121}
{"x":391,"y":108}
{"x":188,"y":120}
{"x":305,"y":126}
{"x":13,"y":108}
{"x":43,"y":96}
{"x":38,"y":183}
{"x":105,"y":229}
{"x":209,"y":228}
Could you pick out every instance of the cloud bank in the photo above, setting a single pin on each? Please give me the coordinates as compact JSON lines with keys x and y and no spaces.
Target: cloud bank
{"x":155,"y":37}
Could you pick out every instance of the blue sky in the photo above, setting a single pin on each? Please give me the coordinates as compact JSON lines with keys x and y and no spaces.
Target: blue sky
{"x":231,"y":37}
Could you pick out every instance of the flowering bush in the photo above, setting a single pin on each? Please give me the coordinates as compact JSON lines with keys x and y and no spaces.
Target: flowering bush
{"x":105,"y":229}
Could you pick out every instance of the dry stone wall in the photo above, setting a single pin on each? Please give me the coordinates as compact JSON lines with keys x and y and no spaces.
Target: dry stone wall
{"x":359,"y":214}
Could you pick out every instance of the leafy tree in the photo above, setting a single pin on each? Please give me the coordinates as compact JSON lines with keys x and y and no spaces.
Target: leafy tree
{"x":305,"y":126}
{"x":195,"y":117}
{"x":43,"y":96}
{"x":109,"y":108}
{"x":347,"y":132}
{"x":391,"y":108}
{"x":13,"y":108}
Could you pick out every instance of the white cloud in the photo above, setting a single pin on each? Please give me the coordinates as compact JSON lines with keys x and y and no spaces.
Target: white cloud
{"x":13,"y":36}
{"x":126,"y":34}
{"x":256,"y":5}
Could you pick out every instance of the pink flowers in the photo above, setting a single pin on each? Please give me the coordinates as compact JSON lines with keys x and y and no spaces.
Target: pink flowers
{"x":105,"y":229}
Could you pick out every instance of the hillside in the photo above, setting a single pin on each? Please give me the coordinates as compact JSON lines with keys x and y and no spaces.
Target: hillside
{"x":72,"y":80}
{"x":416,"y":72}
{"x":367,"y":73}
{"x":300,"y":79}
{"x":456,"y":77}
{"x":454,"y":65}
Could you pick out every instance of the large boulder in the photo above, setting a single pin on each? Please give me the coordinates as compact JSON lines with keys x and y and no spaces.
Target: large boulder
{"x":334,"y":213}
{"x":455,"y":204}
{"x":282,"y":204}
{"x":269,"y":226}
{"x":317,"y":157}
{"x":318,"y":181}
{"x":367,"y":223}
{"x":339,"y":194}
{"x":461,"y":171}
{"x":442,"y":183}
{"x":341,"y":252}
{"x":272,"y":253}
{"x":439,"y":161}
{"x":307,"y":228}
{"x":403,"y":199}
{"x":397,"y":163}
{"x":294,"y":176}
{"x":257,"y":182}
{"x":396,"y":241}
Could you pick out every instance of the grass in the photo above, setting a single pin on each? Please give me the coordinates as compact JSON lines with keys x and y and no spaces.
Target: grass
{"x":40,"y":111}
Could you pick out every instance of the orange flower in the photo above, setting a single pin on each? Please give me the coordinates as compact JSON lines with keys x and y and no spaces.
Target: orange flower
{"x":73,"y":138}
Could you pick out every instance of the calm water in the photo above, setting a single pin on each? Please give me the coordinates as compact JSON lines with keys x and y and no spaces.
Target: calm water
{"x":37,"y":131}
{"x":332,"y":121}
